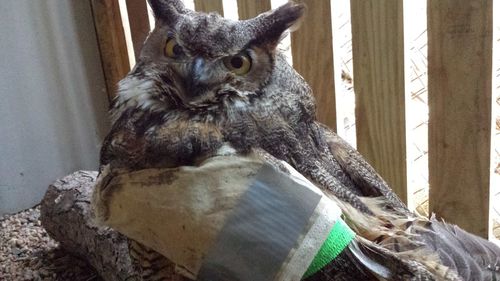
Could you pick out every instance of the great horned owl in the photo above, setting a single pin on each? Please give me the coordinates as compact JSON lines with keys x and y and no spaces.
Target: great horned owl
{"x":202,"y":81}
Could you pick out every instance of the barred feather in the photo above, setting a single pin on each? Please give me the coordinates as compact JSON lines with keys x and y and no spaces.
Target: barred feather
{"x":151,"y":265}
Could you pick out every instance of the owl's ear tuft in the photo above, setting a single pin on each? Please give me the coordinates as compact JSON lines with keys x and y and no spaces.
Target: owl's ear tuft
{"x":290,"y":15}
{"x":270,"y":27}
{"x":167,"y":10}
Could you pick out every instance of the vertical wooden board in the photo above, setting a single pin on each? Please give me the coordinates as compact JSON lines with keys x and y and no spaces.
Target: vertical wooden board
{"x":312,"y":55}
{"x":378,"y":62}
{"x":112,"y":44}
{"x":208,"y":6}
{"x":139,"y":23}
{"x":250,"y":8}
{"x":460,"y":61}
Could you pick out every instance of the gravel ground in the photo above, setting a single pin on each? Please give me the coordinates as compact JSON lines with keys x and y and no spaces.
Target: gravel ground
{"x":28,"y":253}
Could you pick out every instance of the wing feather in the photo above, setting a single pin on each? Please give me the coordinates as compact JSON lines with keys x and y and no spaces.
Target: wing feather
{"x":366,"y":179}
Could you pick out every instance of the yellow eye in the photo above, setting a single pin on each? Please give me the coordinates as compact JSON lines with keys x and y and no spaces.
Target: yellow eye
{"x":172,"y":49}
{"x":239,"y":64}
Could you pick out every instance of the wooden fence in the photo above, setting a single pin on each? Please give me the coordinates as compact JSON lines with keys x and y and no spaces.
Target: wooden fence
{"x":459,"y":84}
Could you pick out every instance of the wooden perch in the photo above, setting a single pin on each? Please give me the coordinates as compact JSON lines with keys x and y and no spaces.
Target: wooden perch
{"x":67,"y":217}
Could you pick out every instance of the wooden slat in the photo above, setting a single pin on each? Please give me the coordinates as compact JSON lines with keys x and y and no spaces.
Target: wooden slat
{"x":250,"y":8}
{"x":459,"y":54}
{"x":312,"y":55}
{"x":209,"y":6}
{"x":378,"y":62}
{"x":139,"y":23}
{"x":112,"y":45}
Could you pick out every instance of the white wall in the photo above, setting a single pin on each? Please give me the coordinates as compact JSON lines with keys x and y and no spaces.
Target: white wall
{"x":52,"y":97}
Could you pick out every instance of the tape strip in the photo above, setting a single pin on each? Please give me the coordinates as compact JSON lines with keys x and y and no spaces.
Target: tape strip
{"x":338,"y":239}
{"x":301,"y":257}
{"x":257,"y":238}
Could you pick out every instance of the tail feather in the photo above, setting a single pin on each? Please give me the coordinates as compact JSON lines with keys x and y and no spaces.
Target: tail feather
{"x":473,"y":257}
{"x":399,"y":239}
{"x":365,"y":260}
{"x":405,"y":265}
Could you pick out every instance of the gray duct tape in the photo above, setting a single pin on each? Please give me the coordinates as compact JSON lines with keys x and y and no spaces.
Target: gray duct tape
{"x":271,"y":217}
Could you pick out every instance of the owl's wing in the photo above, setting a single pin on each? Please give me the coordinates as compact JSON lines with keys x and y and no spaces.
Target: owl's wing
{"x":365,"y":178}
{"x":125,"y":144}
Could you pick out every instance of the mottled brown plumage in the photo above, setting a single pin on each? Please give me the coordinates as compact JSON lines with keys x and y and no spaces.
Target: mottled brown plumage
{"x":178,"y":108}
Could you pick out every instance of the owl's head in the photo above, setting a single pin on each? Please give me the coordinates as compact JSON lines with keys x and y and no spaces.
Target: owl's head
{"x":199,"y":61}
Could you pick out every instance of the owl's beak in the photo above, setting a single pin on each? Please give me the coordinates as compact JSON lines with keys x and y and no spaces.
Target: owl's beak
{"x":198,"y":72}
{"x":198,"y":77}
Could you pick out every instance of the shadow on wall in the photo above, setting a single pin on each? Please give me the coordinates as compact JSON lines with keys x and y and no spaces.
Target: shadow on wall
{"x":53,"y":102}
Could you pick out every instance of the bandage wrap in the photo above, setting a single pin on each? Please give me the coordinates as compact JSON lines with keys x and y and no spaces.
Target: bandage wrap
{"x":230,"y":218}
{"x":338,"y":239}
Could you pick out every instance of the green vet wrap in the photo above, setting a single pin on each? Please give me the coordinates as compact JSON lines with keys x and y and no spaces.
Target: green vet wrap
{"x":338,"y":239}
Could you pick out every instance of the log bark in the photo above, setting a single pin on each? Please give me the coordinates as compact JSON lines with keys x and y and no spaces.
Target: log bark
{"x":67,"y":215}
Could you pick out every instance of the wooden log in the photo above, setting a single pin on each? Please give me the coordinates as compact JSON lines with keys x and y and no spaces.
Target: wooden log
{"x":112,"y":44}
{"x":312,"y":54}
{"x":460,"y":73}
{"x":208,"y":6}
{"x":66,"y":215}
{"x":378,"y":61}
